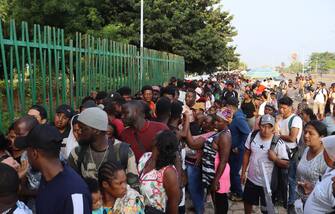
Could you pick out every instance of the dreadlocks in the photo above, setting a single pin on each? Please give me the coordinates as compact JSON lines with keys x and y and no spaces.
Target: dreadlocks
{"x":108,"y":171}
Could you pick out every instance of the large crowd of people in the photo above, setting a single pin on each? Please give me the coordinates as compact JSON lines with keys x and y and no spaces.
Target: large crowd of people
{"x":220,"y":139}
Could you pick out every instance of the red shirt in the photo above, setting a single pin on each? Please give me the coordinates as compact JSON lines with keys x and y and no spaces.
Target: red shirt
{"x":260,"y":89}
{"x":118,"y":126}
{"x":146,"y":137}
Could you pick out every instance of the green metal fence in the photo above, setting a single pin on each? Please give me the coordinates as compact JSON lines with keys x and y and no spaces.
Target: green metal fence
{"x":36,"y":66}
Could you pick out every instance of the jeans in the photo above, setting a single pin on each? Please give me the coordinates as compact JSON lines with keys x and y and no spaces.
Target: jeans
{"x":292,"y":177}
{"x":195,"y":187}
{"x":235,"y":163}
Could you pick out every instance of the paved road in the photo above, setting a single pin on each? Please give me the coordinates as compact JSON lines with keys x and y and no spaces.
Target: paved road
{"x":234,"y":207}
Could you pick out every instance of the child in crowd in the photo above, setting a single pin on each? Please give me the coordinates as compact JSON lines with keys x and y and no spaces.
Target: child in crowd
{"x":93,"y":186}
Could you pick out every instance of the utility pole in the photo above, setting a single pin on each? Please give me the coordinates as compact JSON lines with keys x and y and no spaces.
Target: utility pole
{"x":141,"y":44}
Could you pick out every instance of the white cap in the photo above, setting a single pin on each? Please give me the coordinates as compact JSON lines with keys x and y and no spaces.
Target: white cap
{"x":329,"y":145}
{"x":95,"y":118}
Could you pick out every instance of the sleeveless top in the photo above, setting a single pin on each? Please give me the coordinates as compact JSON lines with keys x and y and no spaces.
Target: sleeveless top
{"x":151,"y":184}
{"x":209,"y":157}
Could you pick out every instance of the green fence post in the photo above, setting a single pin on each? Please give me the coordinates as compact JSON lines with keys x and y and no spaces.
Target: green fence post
{"x":51,"y":80}
{"x":4,"y":64}
{"x":63,"y":67}
{"x":71,"y":75}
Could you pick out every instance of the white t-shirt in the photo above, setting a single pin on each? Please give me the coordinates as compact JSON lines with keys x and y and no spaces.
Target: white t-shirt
{"x":259,"y":154}
{"x":284,"y":129}
{"x":321,"y":200}
{"x":320,"y":96}
{"x":182,"y":95}
{"x":261,"y":109}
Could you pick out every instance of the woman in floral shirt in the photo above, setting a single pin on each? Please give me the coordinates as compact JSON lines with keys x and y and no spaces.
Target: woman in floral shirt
{"x":158,"y":175}
{"x":117,"y":196}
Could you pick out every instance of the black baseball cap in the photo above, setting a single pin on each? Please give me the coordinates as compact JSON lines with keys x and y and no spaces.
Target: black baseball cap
{"x":88,"y":104}
{"x":66,"y":109}
{"x":45,"y":137}
{"x":115,"y":96}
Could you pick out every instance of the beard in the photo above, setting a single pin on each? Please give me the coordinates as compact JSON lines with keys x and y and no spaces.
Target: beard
{"x":85,"y":142}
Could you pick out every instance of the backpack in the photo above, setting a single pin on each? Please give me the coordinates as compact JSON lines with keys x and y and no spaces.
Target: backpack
{"x":279,"y":180}
{"x":208,"y":159}
{"x":274,"y":141}
{"x":293,"y":152}
{"x":117,"y":153}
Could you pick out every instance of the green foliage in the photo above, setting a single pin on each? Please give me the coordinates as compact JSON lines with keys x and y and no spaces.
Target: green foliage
{"x":195,"y":29}
{"x":111,"y":31}
{"x":322,"y":62}
{"x":295,"y":67}
{"x":4,"y":9}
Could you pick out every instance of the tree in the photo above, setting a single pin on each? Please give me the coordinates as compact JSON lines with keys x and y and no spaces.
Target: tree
{"x":295,"y":67}
{"x":4,"y":9}
{"x":193,"y":29}
{"x":322,"y":62}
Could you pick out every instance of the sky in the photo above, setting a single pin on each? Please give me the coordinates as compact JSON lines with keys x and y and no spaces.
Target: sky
{"x":269,"y":31}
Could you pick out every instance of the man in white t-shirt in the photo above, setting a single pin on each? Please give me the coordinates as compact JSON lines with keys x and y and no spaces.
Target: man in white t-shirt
{"x":320,"y":99}
{"x":259,"y":152}
{"x":290,"y":129}
{"x":322,"y":197}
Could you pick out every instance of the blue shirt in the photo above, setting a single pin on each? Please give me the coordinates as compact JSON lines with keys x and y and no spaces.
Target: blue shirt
{"x":66,"y":193}
{"x":239,"y":129}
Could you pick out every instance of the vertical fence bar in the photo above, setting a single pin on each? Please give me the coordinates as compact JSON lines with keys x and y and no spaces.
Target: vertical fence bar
{"x":56,"y":60}
{"x":100,"y":67}
{"x":11,"y":61}
{"x":118,"y":56}
{"x":51,"y":80}
{"x":34,"y":93}
{"x":18,"y":69}
{"x":114,"y":66}
{"x":30,"y":68}
{"x":106,"y":65}
{"x":4,"y":64}
{"x":42,"y":66}
{"x":71,"y":75}
{"x":80,"y":66}
{"x":23,"y":74}
{"x":86,"y":64}
{"x":63,"y":67}
{"x":77,"y":77}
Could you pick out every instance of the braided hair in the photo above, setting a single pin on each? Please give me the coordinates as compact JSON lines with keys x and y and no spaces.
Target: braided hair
{"x":108,"y":171}
{"x":167,"y":145}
